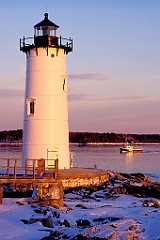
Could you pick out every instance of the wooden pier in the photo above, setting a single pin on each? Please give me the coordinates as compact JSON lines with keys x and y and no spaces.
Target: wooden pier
{"x":33,"y":171}
{"x":38,"y":172}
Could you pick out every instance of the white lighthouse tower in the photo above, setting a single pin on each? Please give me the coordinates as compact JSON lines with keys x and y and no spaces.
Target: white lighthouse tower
{"x":45,"y":131}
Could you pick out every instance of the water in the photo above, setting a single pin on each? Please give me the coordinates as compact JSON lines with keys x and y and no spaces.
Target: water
{"x":107,"y":157}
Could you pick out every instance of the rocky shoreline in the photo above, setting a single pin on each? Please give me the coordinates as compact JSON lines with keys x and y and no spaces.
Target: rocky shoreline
{"x":116,"y":209}
{"x":136,"y":184}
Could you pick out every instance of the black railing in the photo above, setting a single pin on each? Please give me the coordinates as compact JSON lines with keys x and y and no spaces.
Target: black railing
{"x":27,"y":43}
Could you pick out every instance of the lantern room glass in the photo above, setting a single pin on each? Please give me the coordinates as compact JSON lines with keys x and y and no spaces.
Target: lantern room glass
{"x":45,"y":31}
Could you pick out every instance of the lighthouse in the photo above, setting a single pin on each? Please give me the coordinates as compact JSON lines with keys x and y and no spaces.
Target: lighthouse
{"x":46,"y":130}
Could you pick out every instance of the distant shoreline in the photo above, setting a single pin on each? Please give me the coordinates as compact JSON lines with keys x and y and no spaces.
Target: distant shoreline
{"x":86,"y":144}
{"x":89,"y":138}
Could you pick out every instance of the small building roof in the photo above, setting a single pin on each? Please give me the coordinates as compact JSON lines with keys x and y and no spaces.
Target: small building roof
{"x":46,"y":22}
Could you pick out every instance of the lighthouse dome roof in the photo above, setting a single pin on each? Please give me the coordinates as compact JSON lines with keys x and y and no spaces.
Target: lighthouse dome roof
{"x":46,"y":22}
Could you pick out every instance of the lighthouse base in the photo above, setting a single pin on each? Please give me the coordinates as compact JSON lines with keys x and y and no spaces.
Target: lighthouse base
{"x":49,"y":154}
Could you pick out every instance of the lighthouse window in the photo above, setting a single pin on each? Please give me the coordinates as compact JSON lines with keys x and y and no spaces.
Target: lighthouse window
{"x":31,"y":107}
{"x":64,"y":82}
{"x":65,"y":85}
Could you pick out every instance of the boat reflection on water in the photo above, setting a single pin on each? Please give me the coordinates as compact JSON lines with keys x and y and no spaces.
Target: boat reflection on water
{"x":129,"y":161}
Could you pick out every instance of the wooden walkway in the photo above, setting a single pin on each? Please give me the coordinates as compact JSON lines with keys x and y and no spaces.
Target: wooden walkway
{"x":34,"y":171}
{"x":12,"y":169}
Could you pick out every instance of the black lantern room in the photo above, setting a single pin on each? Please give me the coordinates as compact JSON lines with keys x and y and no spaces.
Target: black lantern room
{"x":46,"y":35}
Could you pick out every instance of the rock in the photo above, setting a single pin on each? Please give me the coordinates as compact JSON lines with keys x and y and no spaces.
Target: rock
{"x":156,"y":204}
{"x":38,"y":211}
{"x":106,"y":219}
{"x":41,"y":211}
{"x":45,"y":211}
{"x":132,"y":227}
{"x":25,"y":221}
{"x":66,"y":223}
{"x":56,"y":233}
{"x":48,"y":238}
{"x":65,"y":236}
{"x":112,"y":225}
{"x":131,"y":236}
{"x":81,"y":237}
{"x":20,"y":203}
{"x":56,"y":214}
{"x":80,"y":205}
{"x":151,"y":203}
{"x":46,"y":221}
{"x":83,"y":223}
{"x":138,"y":177}
{"x":100,"y":219}
{"x":120,"y":190}
{"x":112,"y":219}
{"x":146,"y":179}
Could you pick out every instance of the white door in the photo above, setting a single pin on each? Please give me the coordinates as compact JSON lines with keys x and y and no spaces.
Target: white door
{"x":52,"y":155}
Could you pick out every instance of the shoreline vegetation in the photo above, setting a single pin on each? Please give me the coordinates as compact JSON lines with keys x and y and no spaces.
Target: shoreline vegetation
{"x":88,"y":138}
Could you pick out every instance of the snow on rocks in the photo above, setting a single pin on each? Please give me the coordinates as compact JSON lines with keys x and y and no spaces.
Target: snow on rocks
{"x":119,"y":209}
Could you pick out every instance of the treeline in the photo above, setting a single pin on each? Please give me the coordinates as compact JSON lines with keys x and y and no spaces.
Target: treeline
{"x":11,"y":135}
{"x":89,"y":137}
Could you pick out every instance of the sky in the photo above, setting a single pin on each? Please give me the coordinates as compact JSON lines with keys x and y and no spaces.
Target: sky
{"x":114,"y":69}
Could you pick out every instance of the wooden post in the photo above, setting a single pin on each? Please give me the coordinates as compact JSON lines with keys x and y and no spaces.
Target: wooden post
{"x":56,"y":169}
{"x":40,"y":166}
{"x":1,"y":193}
{"x":15,"y":168}
{"x":8,"y":167}
{"x":26,"y":167}
{"x":34,"y":167}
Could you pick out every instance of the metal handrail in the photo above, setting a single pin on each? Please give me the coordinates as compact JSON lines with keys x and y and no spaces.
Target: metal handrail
{"x":62,"y":42}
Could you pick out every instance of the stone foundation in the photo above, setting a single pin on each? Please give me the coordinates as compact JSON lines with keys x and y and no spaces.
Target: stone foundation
{"x":52,"y":192}
{"x":84,"y":182}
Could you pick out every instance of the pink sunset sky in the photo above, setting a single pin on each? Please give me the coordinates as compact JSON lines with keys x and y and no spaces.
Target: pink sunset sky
{"x":114,"y":70}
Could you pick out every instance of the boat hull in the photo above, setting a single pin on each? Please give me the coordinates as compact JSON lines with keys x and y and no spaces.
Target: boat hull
{"x":125,"y":150}
{"x":136,"y":150}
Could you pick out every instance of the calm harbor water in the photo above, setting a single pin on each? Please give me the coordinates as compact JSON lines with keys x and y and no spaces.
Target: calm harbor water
{"x":107,"y":157}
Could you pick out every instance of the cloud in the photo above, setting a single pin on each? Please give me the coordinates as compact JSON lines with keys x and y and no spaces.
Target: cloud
{"x":10,"y":93}
{"x":127,"y":98}
{"x":135,"y":114}
{"x":90,"y":76}
{"x":77,"y":97}
{"x":103,"y":98}
{"x":86,"y":97}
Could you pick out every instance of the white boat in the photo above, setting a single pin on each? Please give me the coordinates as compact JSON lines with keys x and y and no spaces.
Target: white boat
{"x":129,"y":148}
{"x":126,"y":148}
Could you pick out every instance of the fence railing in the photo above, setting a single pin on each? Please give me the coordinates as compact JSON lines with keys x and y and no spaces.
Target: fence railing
{"x":66,"y":43}
{"x":18,"y":168}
